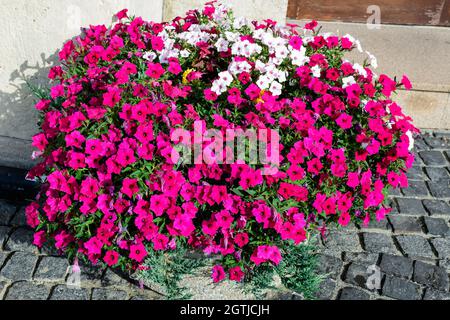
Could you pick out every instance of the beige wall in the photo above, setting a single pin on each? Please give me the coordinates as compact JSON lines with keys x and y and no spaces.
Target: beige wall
{"x":252,"y":9}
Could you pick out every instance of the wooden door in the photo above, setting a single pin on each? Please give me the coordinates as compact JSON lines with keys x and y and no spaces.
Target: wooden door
{"x":409,"y":12}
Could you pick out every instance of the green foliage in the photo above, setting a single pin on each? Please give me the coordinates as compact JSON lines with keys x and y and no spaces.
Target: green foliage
{"x":166,"y":269}
{"x":297,"y":272}
{"x":38,"y":91}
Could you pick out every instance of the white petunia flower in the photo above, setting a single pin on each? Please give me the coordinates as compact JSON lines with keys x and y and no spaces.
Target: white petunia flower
{"x":237,"y":67}
{"x":226,"y":77}
{"x":263,"y":82}
{"x":275,"y":88}
{"x":260,"y":66}
{"x":185,"y":53}
{"x":276,"y":61}
{"x":222,"y":45}
{"x":298,"y":57}
{"x":219,"y":86}
{"x":231,"y":36}
{"x":360,"y":69}
{"x":149,"y":56}
{"x":316,"y":71}
{"x":410,"y":139}
{"x":282,"y":76}
{"x":348,"y":81}
{"x":239,"y":22}
{"x":373,"y":60}
{"x":281,"y":52}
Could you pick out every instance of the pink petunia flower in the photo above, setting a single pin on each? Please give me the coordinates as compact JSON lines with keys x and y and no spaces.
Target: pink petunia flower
{"x":158,"y":204}
{"x":138,"y":252}
{"x":40,"y":141}
{"x":111,"y":258}
{"x":39,"y":238}
{"x":236,"y":274}
{"x":218,"y":273}
{"x":160,"y":242}
{"x":130,"y":187}
{"x":155,"y":70}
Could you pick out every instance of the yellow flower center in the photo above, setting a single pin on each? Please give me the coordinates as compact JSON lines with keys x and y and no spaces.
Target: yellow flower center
{"x":186,"y":74}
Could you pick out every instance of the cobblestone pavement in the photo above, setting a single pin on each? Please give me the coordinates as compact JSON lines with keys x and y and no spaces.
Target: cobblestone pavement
{"x":411,"y":250}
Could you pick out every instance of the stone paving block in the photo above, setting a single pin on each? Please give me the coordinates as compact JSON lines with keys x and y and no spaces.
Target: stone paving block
{"x":393,"y":205}
{"x":396,"y":266}
{"x":437,"y":173}
{"x":338,"y":240}
{"x":63,"y":292}
{"x":447,"y":154}
{"x":433,"y":158}
{"x":91,"y":272}
{"x":357,"y":275}
{"x":440,"y":142}
{"x":440,"y":189}
{"x":2,"y":286}
{"x":436,"y":226}
{"x":416,"y":189}
{"x":378,"y":242}
{"x":395,"y":192}
{"x":49,"y":250}
{"x":21,"y":240}
{"x":336,"y":253}
{"x":445,"y":263}
{"x":402,"y":223}
{"x":417,"y":159}
{"x":3,"y":256}
{"x":415,"y":173}
{"x":442,"y":246}
{"x":419,"y":145}
{"x":411,"y":206}
{"x":401,"y":289}
{"x":326,"y":289}
{"x":51,"y":268}
{"x":431,"y":294}
{"x":108,"y":294}
{"x":6,"y":212}
{"x":112,"y":278}
{"x":437,"y":207}
{"x":442,"y":134}
{"x":4,"y":232}
{"x":431,"y":276}
{"x":19,"y":267}
{"x":27,"y":291}
{"x":362,"y":258}
{"x":19,"y":219}
{"x":382,"y":225}
{"x":328,"y":265}
{"x":349,"y":293}
{"x":415,"y":246}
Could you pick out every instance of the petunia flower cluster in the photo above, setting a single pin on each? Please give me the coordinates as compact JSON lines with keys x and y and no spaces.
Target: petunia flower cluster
{"x":111,"y":189}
